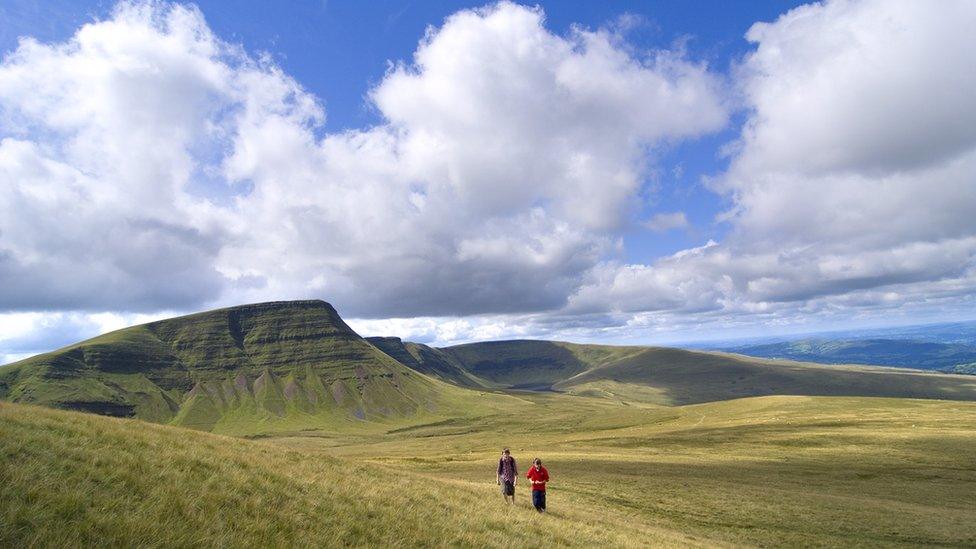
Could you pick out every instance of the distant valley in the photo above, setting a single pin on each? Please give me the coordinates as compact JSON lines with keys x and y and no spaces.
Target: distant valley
{"x":949,"y":347}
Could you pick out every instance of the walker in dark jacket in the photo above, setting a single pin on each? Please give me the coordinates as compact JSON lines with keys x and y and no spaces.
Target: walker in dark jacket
{"x":507,"y":475}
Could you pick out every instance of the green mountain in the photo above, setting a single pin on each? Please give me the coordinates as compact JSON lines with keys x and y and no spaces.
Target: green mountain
{"x":431,"y":361}
{"x":531,"y":364}
{"x":268,"y":366}
{"x":292,"y":366}
{"x":669,"y":376}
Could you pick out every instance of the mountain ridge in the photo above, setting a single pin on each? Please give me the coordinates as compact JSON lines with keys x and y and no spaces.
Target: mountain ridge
{"x":291,"y":362}
{"x":293,"y":365}
{"x":672,"y":376}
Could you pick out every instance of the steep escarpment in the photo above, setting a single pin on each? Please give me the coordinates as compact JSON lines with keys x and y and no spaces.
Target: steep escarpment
{"x":292,"y":364}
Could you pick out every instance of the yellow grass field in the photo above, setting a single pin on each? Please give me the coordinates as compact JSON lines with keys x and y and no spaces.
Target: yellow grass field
{"x":763,"y":471}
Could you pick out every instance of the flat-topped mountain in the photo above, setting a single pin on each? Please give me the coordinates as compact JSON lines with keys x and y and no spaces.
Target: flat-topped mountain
{"x":297,"y":365}
{"x":290,"y":363}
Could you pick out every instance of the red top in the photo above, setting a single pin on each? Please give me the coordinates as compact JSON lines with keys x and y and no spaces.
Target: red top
{"x":538,"y":474}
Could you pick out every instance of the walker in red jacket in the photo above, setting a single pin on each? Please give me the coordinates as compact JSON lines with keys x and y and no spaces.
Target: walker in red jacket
{"x":538,"y":476}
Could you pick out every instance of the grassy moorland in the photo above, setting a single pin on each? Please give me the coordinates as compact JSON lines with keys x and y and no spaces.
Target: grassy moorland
{"x":384,"y":442}
{"x":759,"y":471}
{"x":668,"y":376}
{"x":240,"y":370}
{"x":292,"y":365}
{"x":71,"y":479}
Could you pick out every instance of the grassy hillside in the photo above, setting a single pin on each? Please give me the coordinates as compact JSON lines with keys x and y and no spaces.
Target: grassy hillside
{"x":768,"y":471}
{"x":530,"y":364}
{"x":772,"y":471}
{"x":72,"y":479}
{"x":429,"y":360}
{"x":669,"y":376}
{"x":247,"y":369}
{"x":289,"y":366}
{"x":676,"y":377}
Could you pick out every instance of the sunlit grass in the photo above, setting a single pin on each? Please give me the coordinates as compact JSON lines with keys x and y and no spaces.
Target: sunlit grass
{"x":70,"y":479}
{"x":765,"y":471}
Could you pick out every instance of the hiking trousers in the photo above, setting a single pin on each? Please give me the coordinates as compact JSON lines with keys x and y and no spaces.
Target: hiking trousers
{"x":539,"y":500}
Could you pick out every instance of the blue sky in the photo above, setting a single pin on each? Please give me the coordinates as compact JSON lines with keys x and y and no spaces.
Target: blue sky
{"x":338,"y":50}
{"x":613,"y":171}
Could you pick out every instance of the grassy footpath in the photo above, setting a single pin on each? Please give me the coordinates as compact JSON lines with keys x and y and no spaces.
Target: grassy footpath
{"x":70,"y":479}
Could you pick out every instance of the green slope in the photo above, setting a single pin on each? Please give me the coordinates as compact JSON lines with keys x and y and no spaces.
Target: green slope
{"x":674,"y":376}
{"x":81,"y":480}
{"x":768,"y":472}
{"x":759,"y":472}
{"x":288,"y":366}
{"x":687,"y":377}
{"x":430,"y":360}
{"x":240,"y":370}
{"x":531,"y":364}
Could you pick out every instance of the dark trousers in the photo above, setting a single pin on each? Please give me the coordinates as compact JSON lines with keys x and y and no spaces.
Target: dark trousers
{"x":539,"y":500}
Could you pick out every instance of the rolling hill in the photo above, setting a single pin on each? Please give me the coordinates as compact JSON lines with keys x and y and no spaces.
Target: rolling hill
{"x":661,"y":375}
{"x":531,"y":364}
{"x":252,"y":368}
{"x":430,"y":361}
{"x":288,"y":366}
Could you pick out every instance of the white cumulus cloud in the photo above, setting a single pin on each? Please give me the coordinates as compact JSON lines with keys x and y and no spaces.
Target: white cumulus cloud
{"x":852,"y":184}
{"x":146,"y":164}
